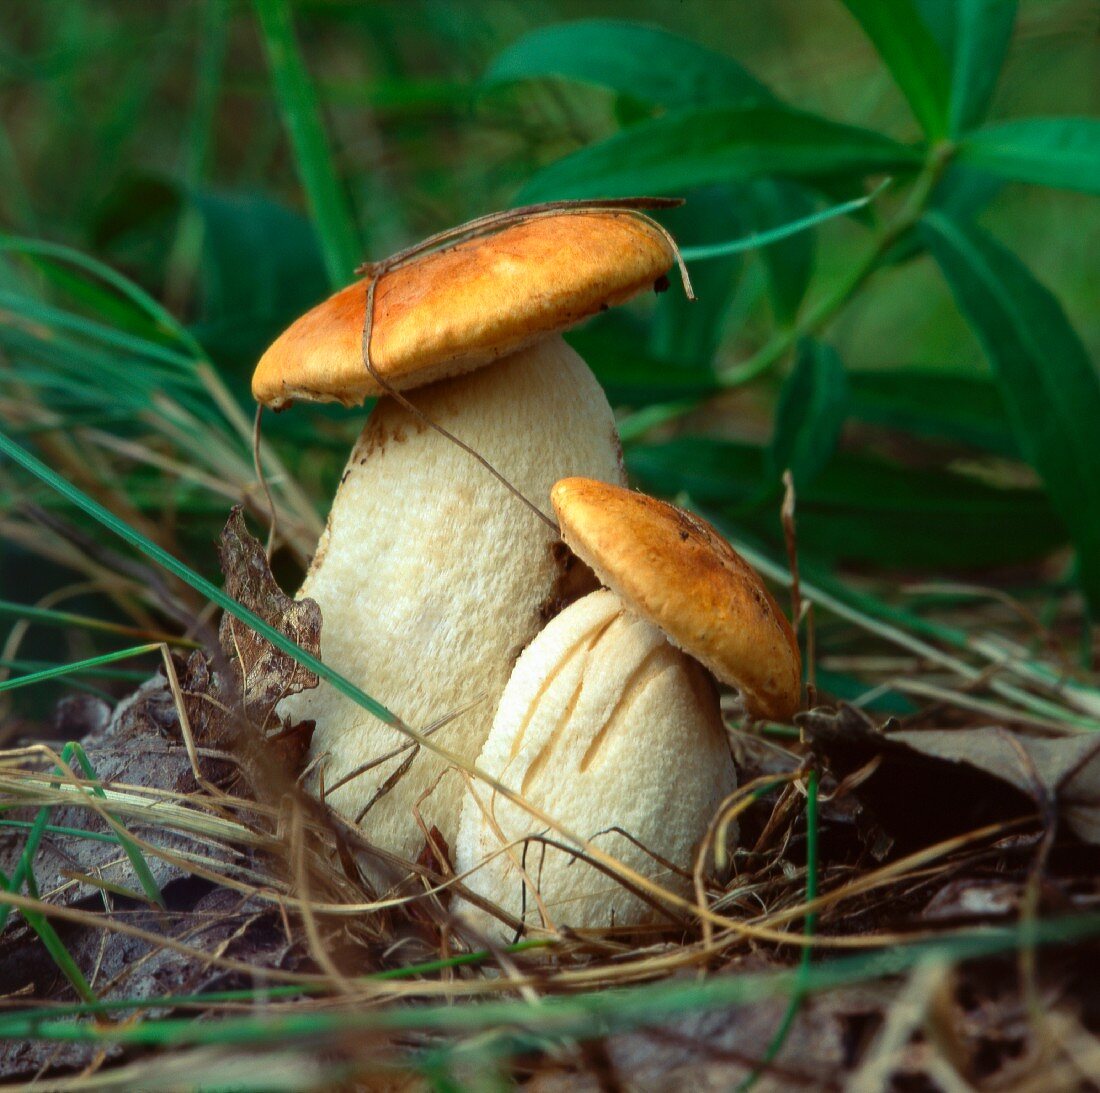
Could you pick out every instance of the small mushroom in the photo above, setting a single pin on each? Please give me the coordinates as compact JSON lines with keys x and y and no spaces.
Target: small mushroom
{"x":671,"y":567}
{"x":431,"y":577}
{"x":611,"y":725}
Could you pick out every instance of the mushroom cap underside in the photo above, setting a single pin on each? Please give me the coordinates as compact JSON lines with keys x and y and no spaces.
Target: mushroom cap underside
{"x":456,"y":309}
{"x":674,"y":569}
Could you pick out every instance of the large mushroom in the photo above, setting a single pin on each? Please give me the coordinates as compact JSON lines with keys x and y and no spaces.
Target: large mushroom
{"x":610,"y":723}
{"x":430,"y":575}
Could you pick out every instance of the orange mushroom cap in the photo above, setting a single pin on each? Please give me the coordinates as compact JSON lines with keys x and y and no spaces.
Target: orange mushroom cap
{"x":456,"y":309}
{"x":674,"y":569}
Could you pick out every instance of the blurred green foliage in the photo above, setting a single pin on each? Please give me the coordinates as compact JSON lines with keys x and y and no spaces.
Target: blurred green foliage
{"x":925,"y":365}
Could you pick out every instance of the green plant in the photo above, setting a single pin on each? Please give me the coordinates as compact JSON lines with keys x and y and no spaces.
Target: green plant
{"x":702,"y":120}
{"x":804,"y":218}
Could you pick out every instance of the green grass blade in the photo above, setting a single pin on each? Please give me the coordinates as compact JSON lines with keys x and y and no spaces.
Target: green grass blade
{"x":68,"y":832}
{"x":593,"y":1014}
{"x":21,"y":664}
{"x":133,"y":851}
{"x":156,"y":311}
{"x":23,"y":867}
{"x":59,"y":954}
{"x":774,"y":235}
{"x":97,"y":332}
{"x":52,"y":617}
{"x":302,"y":116}
{"x":14,"y":1026}
{"x":78,"y":666}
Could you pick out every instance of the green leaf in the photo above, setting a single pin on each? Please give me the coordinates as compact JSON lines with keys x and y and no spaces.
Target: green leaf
{"x":642,"y":61}
{"x":859,"y":509}
{"x":633,"y":377}
{"x":689,"y":331}
{"x":1061,"y":152}
{"x":1050,"y":387}
{"x":913,"y":56}
{"x":940,"y":405}
{"x":810,"y":415}
{"x":691,"y":148}
{"x":974,"y":36}
{"x":261,"y":267}
{"x":939,"y":17}
{"x":259,"y":264}
{"x":983,"y":29}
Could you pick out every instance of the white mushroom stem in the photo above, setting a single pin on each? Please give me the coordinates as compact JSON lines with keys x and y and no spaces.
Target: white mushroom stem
{"x":432,"y":578}
{"x":603,"y":725}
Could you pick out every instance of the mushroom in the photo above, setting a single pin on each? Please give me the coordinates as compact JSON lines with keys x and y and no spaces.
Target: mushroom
{"x":431,"y":578}
{"x":610,"y":722}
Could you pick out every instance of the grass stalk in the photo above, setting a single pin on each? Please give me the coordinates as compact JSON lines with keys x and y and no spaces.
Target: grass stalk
{"x":581,"y":1016}
{"x":798,"y":992}
{"x":815,"y":318}
{"x":24,"y":870}
{"x":301,"y":112}
{"x":76,"y":667}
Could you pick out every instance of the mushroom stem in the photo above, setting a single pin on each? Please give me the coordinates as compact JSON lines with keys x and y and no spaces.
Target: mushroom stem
{"x":431,"y":578}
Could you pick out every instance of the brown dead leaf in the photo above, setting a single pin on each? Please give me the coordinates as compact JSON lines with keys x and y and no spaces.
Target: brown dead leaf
{"x":140,"y":743}
{"x":718,"y":1050}
{"x":968,"y":1027}
{"x":436,"y":854}
{"x":267,"y":675}
{"x":969,"y":898}
{"x":1065,"y":769}
{"x":231,"y":698}
{"x":933,"y":783}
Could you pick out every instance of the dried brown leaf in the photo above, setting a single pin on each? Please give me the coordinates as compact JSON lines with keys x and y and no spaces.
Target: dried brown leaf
{"x":932,"y":783}
{"x":267,"y":674}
